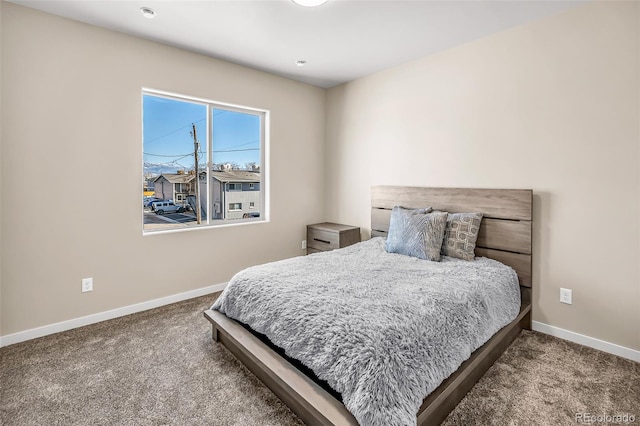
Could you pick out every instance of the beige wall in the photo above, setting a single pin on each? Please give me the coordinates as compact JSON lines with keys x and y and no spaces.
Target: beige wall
{"x":552,"y":106}
{"x":72,"y":166}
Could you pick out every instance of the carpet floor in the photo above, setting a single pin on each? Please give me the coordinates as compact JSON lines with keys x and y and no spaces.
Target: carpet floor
{"x":160,"y":367}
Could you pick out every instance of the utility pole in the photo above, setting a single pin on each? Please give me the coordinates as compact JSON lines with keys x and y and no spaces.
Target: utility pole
{"x":197,"y":173}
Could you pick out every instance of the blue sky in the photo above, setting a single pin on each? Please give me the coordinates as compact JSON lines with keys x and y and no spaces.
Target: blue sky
{"x":168,"y":144}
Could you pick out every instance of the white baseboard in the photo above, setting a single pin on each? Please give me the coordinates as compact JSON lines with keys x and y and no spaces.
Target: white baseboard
{"x":33,"y":333}
{"x":591,"y":342}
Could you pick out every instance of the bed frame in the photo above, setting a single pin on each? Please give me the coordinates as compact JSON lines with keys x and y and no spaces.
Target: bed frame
{"x":505,"y":235}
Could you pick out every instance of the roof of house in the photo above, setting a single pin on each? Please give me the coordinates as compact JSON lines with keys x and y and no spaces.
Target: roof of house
{"x":235,"y":176}
{"x":175,"y":177}
{"x":222,"y":176}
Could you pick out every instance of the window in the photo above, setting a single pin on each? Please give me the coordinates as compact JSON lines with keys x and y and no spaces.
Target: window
{"x":201,"y":153}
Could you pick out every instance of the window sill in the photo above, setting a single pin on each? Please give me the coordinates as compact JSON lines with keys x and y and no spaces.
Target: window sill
{"x":226,"y":224}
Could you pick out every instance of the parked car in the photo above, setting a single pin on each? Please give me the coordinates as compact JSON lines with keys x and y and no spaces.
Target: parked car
{"x":148,"y":201}
{"x":162,"y":207}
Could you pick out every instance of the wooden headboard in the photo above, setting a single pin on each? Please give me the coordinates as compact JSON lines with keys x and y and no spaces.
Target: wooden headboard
{"x":505,"y":231}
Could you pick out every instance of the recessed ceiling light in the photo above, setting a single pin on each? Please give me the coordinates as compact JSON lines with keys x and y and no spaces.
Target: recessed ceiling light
{"x":301,"y":63}
{"x":310,"y":3}
{"x":147,"y":12}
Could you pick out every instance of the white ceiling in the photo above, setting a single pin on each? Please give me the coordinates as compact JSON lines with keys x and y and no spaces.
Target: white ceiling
{"x":341,"y":40}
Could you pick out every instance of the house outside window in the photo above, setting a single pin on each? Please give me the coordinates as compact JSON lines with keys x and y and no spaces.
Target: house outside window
{"x":174,"y":186}
{"x":206,"y":156}
{"x":221,"y":181}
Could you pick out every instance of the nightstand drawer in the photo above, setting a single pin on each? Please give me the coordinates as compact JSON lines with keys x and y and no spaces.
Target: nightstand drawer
{"x":329,"y":236}
{"x":322,"y":240}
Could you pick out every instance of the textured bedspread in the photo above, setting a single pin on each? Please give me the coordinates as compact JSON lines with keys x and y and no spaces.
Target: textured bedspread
{"x":382,"y":329}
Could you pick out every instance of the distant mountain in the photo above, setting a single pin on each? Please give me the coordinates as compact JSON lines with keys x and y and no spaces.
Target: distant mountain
{"x":158,"y":169}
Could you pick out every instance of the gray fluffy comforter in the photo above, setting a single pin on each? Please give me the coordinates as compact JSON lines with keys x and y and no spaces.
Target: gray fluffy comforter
{"x":382,"y":329}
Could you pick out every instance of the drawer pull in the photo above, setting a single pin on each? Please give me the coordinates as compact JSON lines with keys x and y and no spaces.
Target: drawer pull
{"x":322,"y":241}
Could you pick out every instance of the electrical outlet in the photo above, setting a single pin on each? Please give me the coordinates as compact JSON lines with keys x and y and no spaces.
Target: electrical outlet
{"x":565,"y":296}
{"x":87,"y":284}
{"x":304,"y":244}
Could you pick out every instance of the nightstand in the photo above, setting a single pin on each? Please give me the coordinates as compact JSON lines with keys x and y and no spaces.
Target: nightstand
{"x":329,"y":236}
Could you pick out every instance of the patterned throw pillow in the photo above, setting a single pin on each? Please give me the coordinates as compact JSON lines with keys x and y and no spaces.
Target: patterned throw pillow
{"x":416,"y":234}
{"x":461,"y":235}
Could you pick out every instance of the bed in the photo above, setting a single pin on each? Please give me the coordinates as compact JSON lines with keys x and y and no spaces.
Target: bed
{"x":505,"y":235}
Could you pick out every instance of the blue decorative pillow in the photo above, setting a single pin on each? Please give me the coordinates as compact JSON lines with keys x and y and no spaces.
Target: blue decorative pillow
{"x":416,"y":234}
{"x":461,"y":235}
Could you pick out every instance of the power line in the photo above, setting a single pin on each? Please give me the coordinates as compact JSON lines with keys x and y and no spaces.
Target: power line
{"x":236,"y":150}
{"x":185,"y":126}
{"x":173,"y":131}
{"x":243,"y":144}
{"x":169,"y":156}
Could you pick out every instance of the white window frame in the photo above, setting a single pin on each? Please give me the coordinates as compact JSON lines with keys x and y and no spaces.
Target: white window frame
{"x":264,"y":161}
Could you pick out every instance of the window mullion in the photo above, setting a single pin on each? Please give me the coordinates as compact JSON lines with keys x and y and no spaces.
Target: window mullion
{"x":209,"y":162}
